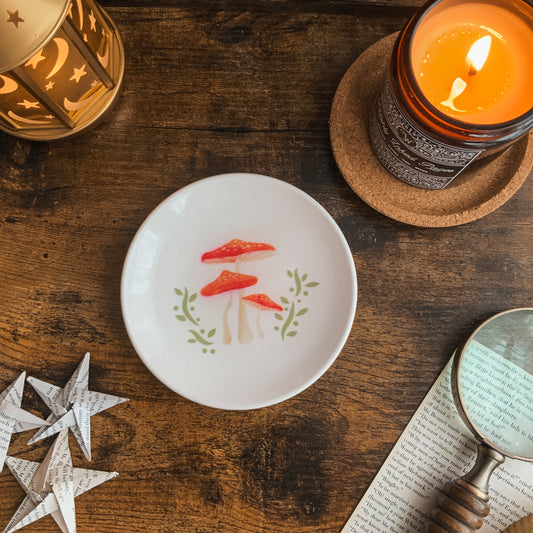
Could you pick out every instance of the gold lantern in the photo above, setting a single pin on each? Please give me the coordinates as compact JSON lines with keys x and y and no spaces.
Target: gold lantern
{"x":61,"y":66}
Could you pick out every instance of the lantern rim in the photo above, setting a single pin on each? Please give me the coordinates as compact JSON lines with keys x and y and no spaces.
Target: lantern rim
{"x":40,"y":21}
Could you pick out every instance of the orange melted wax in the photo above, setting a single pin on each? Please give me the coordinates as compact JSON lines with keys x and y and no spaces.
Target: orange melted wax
{"x":502,"y":89}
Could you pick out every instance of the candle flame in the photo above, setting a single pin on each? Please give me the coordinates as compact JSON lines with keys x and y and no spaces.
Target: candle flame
{"x":458,"y":87}
{"x":478,"y":54}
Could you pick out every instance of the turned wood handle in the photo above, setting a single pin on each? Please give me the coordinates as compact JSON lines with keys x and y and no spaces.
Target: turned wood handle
{"x":462,"y":506}
{"x":460,"y":509}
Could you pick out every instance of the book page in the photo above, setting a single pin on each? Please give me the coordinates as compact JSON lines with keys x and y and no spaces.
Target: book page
{"x":435,"y":448}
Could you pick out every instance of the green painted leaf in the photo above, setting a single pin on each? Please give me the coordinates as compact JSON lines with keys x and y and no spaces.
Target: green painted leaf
{"x":304,"y":277}
{"x":289,"y":273}
{"x":302,"y":311}
{"x":298,"y":282}
{"x":284,"y":300}
{"x":288,"y":322}
{"x":178,"y":292}
{"x":212,"y":332}
{"x":312,"y":284}
{"x":181,"y":318}
{"x":186,"y":311}
{"x":291,"y":333}
{"x":192,"y":341}
{"x":193,"y":297}
{"x":278,"y":316}
{"x":199,"y":338}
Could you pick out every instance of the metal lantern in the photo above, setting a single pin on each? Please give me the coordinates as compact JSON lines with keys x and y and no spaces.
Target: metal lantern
{"x":61,"y":66}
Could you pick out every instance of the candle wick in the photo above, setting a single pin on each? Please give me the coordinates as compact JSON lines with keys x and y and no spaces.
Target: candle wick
{"x":458,"y":87}
{"x":472,"y":71}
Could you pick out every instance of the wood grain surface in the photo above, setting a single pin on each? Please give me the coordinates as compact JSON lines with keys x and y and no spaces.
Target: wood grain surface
{"x":214,"y":87}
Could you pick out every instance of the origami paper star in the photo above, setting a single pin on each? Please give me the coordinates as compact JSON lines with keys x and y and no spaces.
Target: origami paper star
{"x":51,"y":486}
{"x":73,"y":406}
{"x":12,"y":418}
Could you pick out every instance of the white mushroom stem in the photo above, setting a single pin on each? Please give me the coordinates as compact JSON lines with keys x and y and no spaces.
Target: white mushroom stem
{"x":245,"y":331}
{"x":257,"y":322}
{"x":227,"y":333}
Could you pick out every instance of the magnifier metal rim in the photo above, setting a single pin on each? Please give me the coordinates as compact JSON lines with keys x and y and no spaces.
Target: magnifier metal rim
{"x":457,"y":360}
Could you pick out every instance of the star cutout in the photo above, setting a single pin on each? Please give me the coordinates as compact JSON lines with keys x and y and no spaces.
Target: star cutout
{"x":14,"y":18}
{"x":85,"y":37}
{"x":92,"y":18}
{"x":35,"y":60}
{"x":29,"y":105}
{"x":95,"y":83}
{"x":12,"y":418}
{"x":69,"y":12}
{"x":78,"y":73}
{"x":49,"y":85}
{"x":73,"y":406}
{"x":51,"y":486}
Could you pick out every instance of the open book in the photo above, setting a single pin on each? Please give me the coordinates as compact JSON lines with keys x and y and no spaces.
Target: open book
{"x":435,"y":448}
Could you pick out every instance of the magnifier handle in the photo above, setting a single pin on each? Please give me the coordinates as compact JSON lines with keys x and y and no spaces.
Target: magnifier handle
{"x":463,"y":505}
{"x":460,"y":509}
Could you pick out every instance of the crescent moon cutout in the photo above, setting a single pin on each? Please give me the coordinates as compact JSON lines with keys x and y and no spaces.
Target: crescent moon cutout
{"x":104,"y":60}
{"x":26,"y":120}
{"x":74,"y":106}
{"x":9,"y":85}
{"x":80,"y":13}
{"x":62,"y":54}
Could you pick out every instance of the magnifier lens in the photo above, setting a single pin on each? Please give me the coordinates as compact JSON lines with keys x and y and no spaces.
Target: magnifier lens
{"x":495,"y":383}
{"x":492,"y":383}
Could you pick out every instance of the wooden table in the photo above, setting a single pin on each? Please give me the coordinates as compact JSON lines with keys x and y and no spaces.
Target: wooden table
{"x":214,"y":87}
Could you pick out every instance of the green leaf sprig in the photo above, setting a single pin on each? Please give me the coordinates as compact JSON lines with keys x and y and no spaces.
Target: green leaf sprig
{"x":185,"y":314}
{"x":292,"y":304}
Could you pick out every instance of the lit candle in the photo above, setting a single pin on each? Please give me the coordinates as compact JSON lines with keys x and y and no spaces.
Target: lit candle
{"x":474,"y":62}
{"x":459,"y":86}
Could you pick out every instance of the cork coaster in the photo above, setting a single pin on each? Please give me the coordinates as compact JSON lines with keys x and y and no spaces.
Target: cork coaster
{"x":522,"y":526}
{"x":476,"y":192}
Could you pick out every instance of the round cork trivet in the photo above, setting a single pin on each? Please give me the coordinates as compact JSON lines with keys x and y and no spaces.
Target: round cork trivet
{"x":480,"y":189}
{"x":522,"y":526}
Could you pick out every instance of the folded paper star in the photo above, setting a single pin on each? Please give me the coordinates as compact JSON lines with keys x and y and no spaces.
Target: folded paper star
{"x":51,"y":486}
{"x":73,"y":406}
{"x":12,"y":418}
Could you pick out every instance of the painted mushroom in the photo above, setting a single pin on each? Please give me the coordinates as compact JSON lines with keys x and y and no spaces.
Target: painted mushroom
{"x":263,"y":303}
{"x":228,"y":282}
{"x":237,"y":251}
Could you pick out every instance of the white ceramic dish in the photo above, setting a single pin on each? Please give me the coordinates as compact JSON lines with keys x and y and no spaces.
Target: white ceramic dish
{"x":180,"y":314}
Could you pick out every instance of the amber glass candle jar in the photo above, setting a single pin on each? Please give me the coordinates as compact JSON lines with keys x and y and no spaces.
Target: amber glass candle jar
{"x":459,"y":86}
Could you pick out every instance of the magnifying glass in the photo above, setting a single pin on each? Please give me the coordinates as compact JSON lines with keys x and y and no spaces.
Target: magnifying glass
{"x":492,"y":384}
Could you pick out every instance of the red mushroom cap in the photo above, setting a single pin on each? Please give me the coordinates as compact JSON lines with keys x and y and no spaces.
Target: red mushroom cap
{"x":228,"y":281}
{"x":262,"y":301}
{"x":236,"y":249}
